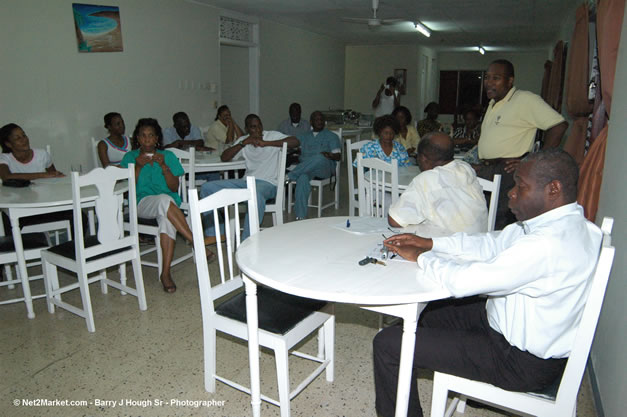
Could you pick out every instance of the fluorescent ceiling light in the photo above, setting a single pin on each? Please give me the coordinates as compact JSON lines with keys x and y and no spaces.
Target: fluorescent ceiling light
{"x":481,"y":50}
{"x":423,"y":29}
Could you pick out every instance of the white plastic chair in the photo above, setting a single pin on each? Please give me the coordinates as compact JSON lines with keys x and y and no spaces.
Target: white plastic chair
{"x":378,"y":186}
{"x":353,"y":196}
{"x":111,"y":246}
{"x":223,"y":303}
{"x":563,"y":402}
{"x":493,"y":188}
{"x":276,"y":207}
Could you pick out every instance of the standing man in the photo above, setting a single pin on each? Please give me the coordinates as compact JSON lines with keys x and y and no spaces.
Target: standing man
{"x":509,"y":128}
{"x":294,"y":126}
{"x":446,"y":193}
{"x":260,"y":150}
{"x":320,"y":151}
{"x":535,"y":273}
{"x":387,"y":99}
{"x":183,"y":135}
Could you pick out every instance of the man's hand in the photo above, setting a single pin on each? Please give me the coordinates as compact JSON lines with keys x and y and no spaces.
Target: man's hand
{"x":408,"y":246}
{"x":511,"y":165}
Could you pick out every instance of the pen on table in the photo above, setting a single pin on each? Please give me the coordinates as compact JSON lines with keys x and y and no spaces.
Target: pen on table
{"x":348,"y":223}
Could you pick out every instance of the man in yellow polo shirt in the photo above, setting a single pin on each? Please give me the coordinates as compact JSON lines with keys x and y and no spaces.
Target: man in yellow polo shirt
{"x":509,"y":128}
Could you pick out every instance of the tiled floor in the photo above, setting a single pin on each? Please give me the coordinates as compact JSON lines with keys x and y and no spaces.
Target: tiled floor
{"x":150,"y":363}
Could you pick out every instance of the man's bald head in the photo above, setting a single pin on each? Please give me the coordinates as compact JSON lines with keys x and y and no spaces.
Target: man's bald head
{"x":435,"y":149}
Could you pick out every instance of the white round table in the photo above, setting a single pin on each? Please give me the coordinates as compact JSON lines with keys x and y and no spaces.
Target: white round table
{"x":318,"y":258}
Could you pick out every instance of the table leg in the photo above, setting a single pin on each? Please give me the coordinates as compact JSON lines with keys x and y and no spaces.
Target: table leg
{"x":21,"y":264}
{"x":253,"y":344}
{"x":410,"y":320}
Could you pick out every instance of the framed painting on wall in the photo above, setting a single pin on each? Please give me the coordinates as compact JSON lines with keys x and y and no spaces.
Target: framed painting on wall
{"x":401,"y":79}
{"x":98,"y":28}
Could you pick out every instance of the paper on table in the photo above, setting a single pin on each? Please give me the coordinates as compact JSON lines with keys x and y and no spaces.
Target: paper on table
{"x":366,"y":225}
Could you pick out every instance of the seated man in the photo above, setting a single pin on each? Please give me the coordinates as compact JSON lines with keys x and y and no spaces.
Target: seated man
{"x":294,"y":126}
{"x":320,"y":149}
{"x":446,"y":193}
{"x":260,"y":150}
{"x":535,"y":274}
{"x":183,"y":135}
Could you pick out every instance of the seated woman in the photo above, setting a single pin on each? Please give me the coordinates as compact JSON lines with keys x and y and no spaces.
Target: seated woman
{"x":157,"y":174}
{"x":112,"y":149}
{"x":224,"y":130}
{"x":19,"y":161}
{"x":407,"y":135}
{"x":386,"y":148}
{"x":430,"y":123}
{"x":467,"y":136}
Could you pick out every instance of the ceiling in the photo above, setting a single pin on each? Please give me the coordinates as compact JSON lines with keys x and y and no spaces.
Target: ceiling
{"x":498,"y":25}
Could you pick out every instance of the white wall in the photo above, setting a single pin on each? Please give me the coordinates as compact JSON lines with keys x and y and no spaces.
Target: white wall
{"x":59,"y":96}
{"x":298,"y":66}
{"x":234,"y":81}
{"x":609,"y":356}
{"x":367,"y":67}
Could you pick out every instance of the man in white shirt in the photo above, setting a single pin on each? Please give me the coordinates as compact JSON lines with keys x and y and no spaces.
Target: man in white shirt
{"x":387,"y":99}
{"x":446,"y":193}
{"x":260,"y":150}
{"x":535,"y":274}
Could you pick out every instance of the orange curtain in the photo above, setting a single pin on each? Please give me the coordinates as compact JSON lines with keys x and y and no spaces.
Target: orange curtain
{"x":577,"y":103}
{"x":609,"y":24}
{"x":556,"y":79}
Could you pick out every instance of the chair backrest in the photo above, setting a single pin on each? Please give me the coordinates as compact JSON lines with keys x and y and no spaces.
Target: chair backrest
{"x":277,"y":206}
{"x":575,"y":367}
{"x":108,"y":208}
{"x":187,"y":158}
{"x":375,"y":179}
{"x":350,"y":147}
{"x":493,"y":188}
{"x":223,"y":206}
{"x":94,"y":152}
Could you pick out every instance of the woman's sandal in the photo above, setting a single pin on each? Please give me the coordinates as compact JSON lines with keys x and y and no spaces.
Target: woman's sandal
{"x":210,"y":255}
{"x":168,"y":288}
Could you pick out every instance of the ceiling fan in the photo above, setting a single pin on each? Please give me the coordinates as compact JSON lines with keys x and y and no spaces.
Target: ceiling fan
{"x":374,"y":21}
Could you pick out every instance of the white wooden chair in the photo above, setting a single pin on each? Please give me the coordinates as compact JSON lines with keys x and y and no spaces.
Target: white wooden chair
{"x":284,"y":321}
{"x":32,"y":243}
{"x":94,"y":152}
{"x":378,"y":185}
{"x":562,"y":401}
{"x":353,"y":196}
{"x":187,"y":182}
{"x":319,"y":183}
{"x":493,"y":188}
{"x":111,"y":246}
{"x":276,"y":207}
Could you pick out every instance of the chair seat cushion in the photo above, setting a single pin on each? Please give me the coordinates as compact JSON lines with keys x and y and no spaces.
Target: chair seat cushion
{"x":278,"y":312}
{"x":29,"y":241}
{"x":66,"y":249}
{"x":143,"y":220}
{"x":549,"y":392}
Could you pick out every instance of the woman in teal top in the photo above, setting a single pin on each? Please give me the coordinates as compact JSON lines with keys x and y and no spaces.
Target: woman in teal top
{"x":157,"y":175}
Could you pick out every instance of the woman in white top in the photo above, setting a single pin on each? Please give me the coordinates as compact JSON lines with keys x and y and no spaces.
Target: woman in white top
{"x":112,"y":149}
{"x":224,"y":130}
{"x":19,"y":161}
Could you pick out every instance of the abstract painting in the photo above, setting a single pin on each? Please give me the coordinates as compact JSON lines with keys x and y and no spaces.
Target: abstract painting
{"x":98,"y":28}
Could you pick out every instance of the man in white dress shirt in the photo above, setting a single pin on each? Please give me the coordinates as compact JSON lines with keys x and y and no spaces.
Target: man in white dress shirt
{"x":446,"y":193}
{"x":535,"y":274}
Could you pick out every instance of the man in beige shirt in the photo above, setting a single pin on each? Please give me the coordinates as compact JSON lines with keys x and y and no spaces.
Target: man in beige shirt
{"x":509,"y":128}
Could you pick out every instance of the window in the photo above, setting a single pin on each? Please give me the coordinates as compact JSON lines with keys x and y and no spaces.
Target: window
{"x":461,"y":90}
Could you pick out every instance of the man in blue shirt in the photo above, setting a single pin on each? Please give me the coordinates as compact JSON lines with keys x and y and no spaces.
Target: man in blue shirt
{"x":320,"y":151}
{"x":294,"y":126}
{"x":183,"y":134}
